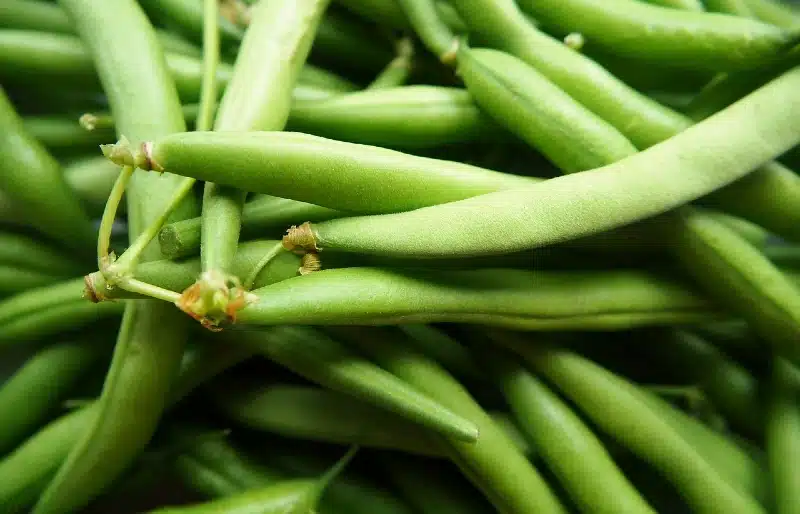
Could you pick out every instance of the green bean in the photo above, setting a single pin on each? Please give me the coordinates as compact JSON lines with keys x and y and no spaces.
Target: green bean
{"x":736,"y":466}
{"x":612,"y":405}
{"x":526,"y":300}
{"x":264,"y":212}
{"x":749,"y":231}
{"x":730,"y":387}
{"x":16,"y":278}
{"x":493,"y":463}
{"x":63,"y":134}
{"x":187,"y":17}
{"x":566,"y":444}
{"x":318,"y":167}
{"x":398,"y":71}
{"x":686,"y":5}
{"x":32,"y":178}
{"x":511,"y":429}
{"x":152,"y":337}
{"x":502,"y":83}
{"x":628,"y":27}
{"x":40,"y":384}
{"x":27,"y":15}
{"x":571,"y":206}
{"x":340,"y":35}
{"x":10,"y":213}
{"x":389,"y":13}
{"x":323,"y":360}
{"x":735,"y":7}
{"x":436,"y":344}
{"x":176,"y":44}
{"x":39,"y":324}
{"x":775,"y":12}
{"x":432,"y":491}
{"x":311,"y":75}
{"x":258,"y":98}
{"x":28,"y":469}
{"x":286,"y":497}
{"x":398,"y":117}
{"x":203,"y":479}
{"x":433,"y":31}
{"x":320,"y":415}
{"x":783,"y":438}
{"x":351,"y":492}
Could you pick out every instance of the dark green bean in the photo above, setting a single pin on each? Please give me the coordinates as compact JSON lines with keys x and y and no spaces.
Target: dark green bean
{"x":321,"y":359}
{"x":566,"y":444}
{"x":436,"y":344}
{"x":27,"y":15}
{"x":783,"y":437}
{"x":26,"y":252}
{"x":41,"y":383}
{"x":187,"y":17}
{"x":64,"y":134}
{"x":526,"y":300}
{"x":32,"y":178}
{"x":729,"y":387}
{"x":612,"y":405}
{"x":203,"y":479}
{"x":493,"y":463}
{"x":319,"y":415}
{"x":735,"y":7}
{"x":778,"y":13}
{"x":92,"y":178}
{"x":341,"y":35}
{"x":26,"y":471}
{"x":15,"y":279}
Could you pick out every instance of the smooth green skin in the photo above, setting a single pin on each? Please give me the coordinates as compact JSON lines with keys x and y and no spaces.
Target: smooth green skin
{"x":699,"y":160}
{"x":28,"y":15}
{"x":325,"y":172}
{"x":258,"y":97}
{"x":633,"y":28}
{"x":26,"y":471}
{"x":415,"y":116}
{"x":321,"y":359}
{"x":525,"y":300}
{"x":202,"y":479}
{"x":644,"y":121}
{"x":783,"y":438}
{"x":314,"y":414}
{"x":565,"y":443}
{"x":432,"y":491}
{"x":493,"y":464}
{"x":612,"y":406}
{"x":775,"y":12}
{"x":447,"y":351}
{"x":730,"y":387}
{"x":311,"y":75}
{"x":351,"y":493}
{"x":92,"y":179}
{"x":564,"y":131}
{"x":177,"y":276}
{"x":734,"y":465}
{"x":262,"y":213}
{"x":186,"y":16}
{"x":36,"y":389}
{"x":27,"y":252}
{"x":686,"y":5}
{"x":32,"y":177}
{"x":144,"y":102}
{"x":429,"y":27}
{"x":563,"y":126}
{"x":62,"y":317}
{"x":735,"y":7}
{"x":42,"y":299}
{"x":390,"y":14}
{"x":766,"y":297}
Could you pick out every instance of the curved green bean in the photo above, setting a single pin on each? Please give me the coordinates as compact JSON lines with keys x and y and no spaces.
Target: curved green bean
{"x":778,"y":13}
{"x":526,"y":300}
{"x":32,"y":178}
{"x":318,"y":167}
{"x":187,"y":16}
{"x":566,"y":444}
{"x":323,"y":360}
{"x":630,"y":27}
{"x":14,"y":279}
{"x":613,"y":406}
{"x":648,"y":183}
{"x":450,"y":353}
{"x":321,"y":415}
{"x":493,"y":463}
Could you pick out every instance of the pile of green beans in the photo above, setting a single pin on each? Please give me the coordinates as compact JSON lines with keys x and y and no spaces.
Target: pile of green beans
{"x":399,"y":256}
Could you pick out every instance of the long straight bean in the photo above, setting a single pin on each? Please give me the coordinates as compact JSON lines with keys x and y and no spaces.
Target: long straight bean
{"x":783,"y":437}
